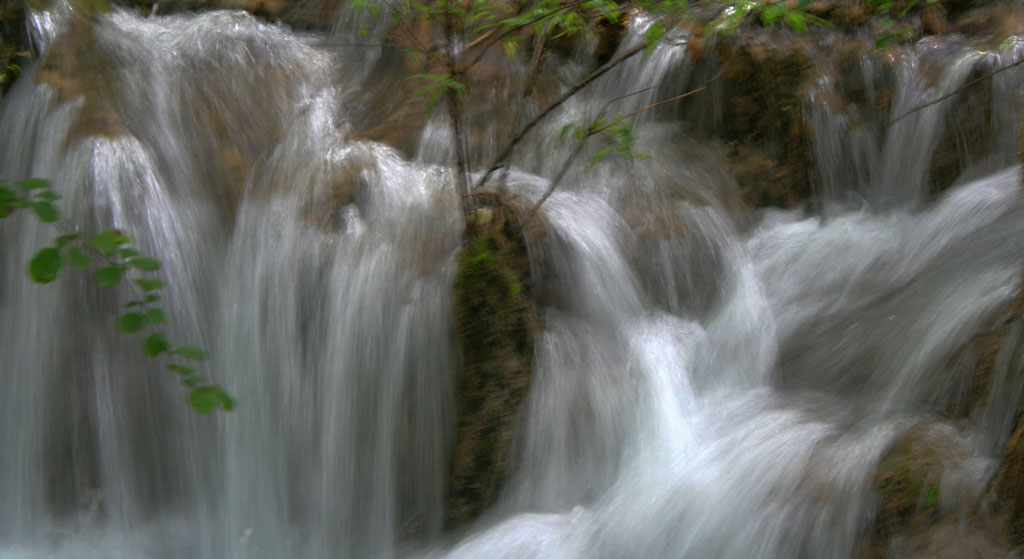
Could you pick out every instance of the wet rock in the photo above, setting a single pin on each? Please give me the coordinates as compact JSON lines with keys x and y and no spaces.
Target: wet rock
{"x":14,"y":48}
{"x":995,"y":20}
{"x":75,"y":69}
{"x":983,"y":352}
{"x":934,"y":20}
{"x":851,"y":13}
{"x":496,"y":326}
{"x":764,"y":78}
{"x":908,"y":485}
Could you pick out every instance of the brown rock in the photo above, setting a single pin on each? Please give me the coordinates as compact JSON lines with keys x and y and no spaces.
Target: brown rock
{"x":496,"y":326}
{"x":934,"y":20}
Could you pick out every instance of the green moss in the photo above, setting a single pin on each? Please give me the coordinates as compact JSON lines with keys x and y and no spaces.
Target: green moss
{"x":907,"y":486}
{"x":495,"y":327}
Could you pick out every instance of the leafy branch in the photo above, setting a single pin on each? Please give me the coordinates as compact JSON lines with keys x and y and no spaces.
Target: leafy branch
{"x":118,"y":259}
{"x":619,"y":130}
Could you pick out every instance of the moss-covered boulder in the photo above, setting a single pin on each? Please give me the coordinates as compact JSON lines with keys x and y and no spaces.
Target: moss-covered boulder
{"x":495,"y":326}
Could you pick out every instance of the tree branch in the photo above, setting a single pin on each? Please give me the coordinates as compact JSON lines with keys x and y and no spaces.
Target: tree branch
{"x":957,"y":92}
{"x":579,"y":147}
{"x":502,"y":158}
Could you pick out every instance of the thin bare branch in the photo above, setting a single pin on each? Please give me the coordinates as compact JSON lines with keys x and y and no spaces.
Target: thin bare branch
{"x":654,"y":105}
{"x":502,"y":158}
{"x":957,"y":92}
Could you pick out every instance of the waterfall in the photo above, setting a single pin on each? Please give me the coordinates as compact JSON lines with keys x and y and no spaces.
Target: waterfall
{"x":710,"y":381}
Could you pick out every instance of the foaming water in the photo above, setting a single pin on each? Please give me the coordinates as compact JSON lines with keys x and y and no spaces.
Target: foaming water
{"x":707,"y":384}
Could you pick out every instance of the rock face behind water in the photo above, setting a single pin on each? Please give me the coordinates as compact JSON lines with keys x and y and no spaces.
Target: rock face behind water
{"x":496,"y":327}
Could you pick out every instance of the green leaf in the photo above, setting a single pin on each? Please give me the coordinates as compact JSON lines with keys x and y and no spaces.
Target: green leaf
{"x":906,"y":8}
{"x":226,"y":401}
{"x":203,"y":399}
{"x":6,"y":195}
{"x":150,"y":284}
{"x":108,"y":241}
{"x":45,"y":265}
{"x":156,"y":316}
{"x":63,"y":240}
{"x":180,"y":369}
{"x":601,"y":154}
{"x":132,"y":322}
{"x":131,"y":304}
{"x":565,"y":131}
{"x":152,"y":297}
{"x":191,"y":352}
{"x":192,"y":381}
{"x":652,"y":36}
{"x":110,"y":276}
{"x":79,"y":258}
{"x":45,"y":211}
{"x":804,"y":4}
{"x":156,"y":344}
{"x":772,"y":13}
{"x":128,"y":253}
{"x":145,"y":264}
{"x":796,"y":21}
{"x":48,"y":195}
{"x":33,"y":184}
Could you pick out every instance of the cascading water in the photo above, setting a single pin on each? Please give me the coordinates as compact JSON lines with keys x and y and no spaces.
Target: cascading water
{"x":707,"y":384}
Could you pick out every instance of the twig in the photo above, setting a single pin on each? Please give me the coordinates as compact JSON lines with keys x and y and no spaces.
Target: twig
{"x":579,"y":147}
{"x":503,"y":156}
{"x":455,"y":113}
{"x":658,"y":104}
{"x":504,"y":34}
{"x":958,"y":91}
{"x":555,"y":181}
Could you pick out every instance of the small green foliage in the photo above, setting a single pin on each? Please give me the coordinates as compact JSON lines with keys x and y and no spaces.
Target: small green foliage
{"x":79,"y":258}
{"x":110,"y":276}
{"x":114,"y":248}
{"x":770,"y":12}
{"x":150,"y":284}
{"x":618,"y":132}
{"x":180,"y":369}
{"x":34,"y":184}
{"x":205,"y":399}
{"x":156,"y":316}
{"x":145,"y":264}
{"x":191,"y":352}
{"x":652,"y":36}
{"x":156,"y":344}
{"x":45,"y":266}
{"x":437,"y":86}
{"x":45,"y":211}
{"x":887,"y":38}
{"x":931,"y":496}
{"x":132,"y":322}
{"x":108,"y":242}
{"x":63,"y":240}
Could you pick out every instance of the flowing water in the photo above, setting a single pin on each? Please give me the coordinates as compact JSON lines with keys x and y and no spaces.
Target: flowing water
{"x":707,"y":383}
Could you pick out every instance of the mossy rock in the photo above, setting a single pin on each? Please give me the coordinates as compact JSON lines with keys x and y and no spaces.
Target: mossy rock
{"x":907,"y":490}
{"x":496,"y":326}
{"x":906,"y":485}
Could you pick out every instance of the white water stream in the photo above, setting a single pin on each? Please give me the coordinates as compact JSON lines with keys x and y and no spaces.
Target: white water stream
{"x":707,"y":384}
